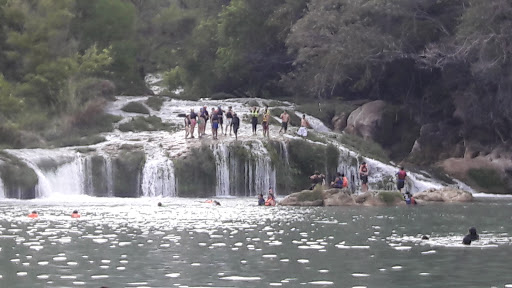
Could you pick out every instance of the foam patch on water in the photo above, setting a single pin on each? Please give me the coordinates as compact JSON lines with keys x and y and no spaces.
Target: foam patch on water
{"x":452,"y":241}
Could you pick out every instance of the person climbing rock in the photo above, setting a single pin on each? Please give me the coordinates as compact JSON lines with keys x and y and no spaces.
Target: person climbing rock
{"x":472,"y":236}
{"x":316,"y":178}
{"x":363,"y":174}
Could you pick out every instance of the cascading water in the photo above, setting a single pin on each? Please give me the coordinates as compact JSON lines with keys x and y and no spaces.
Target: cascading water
{"x":2,"y":193}
{"x":158,"y":178}
{"x":347,"y":166}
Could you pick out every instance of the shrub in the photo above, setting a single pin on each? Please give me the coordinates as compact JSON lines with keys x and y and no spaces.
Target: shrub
{"x":135,"y":107}
{"x":390,"y":197}
{"x":155,"y":102}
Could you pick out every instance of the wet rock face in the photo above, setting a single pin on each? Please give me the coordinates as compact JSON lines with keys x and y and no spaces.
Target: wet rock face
{"x":444,"y":195}
{"x":127,"y":173}
{"x":437,"y":141}
{"x":18,"y":179}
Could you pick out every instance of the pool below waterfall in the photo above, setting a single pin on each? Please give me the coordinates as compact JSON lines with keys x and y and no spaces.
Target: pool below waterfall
{"x":190,"y":243}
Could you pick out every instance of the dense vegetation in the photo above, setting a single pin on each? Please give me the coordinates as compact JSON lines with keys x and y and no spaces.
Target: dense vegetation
{"x":445,"y":62}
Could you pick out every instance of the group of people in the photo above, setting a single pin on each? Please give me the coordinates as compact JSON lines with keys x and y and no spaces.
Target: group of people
{"x":216,"y":118}
{"x":271,"y":199}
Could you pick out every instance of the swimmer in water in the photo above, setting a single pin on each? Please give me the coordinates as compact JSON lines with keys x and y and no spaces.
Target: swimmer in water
{"x":75,"y":214}
{"x":425,"y":237}
{"x":261,"y":201}
{"x":159,"y":204}
{"x":33,"y":214}
{"x":472,"y":236}
{"x":217,"y":203}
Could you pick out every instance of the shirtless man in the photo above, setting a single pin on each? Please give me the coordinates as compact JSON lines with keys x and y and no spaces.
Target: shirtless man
{"x":285,"y":119}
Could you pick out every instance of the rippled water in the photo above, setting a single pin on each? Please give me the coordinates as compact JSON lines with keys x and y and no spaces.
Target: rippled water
{"x":188,"y":243}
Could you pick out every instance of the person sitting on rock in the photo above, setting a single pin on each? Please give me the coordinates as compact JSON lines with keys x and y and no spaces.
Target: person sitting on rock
{"x":409,"y":199}
{"x":316,"y":178}
{"x":340,"y":182}
{"x":472,"y":236}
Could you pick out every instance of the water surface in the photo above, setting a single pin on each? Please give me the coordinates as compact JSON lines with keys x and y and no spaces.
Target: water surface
{"x":188,"y":243}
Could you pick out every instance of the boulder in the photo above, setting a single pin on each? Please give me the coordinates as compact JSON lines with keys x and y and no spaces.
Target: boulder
{"x":339,"y":122}
{"x":338,"y":197}
{"x":366,"y":120}
{"x":304,"y":198}
{"x":444,"y":195}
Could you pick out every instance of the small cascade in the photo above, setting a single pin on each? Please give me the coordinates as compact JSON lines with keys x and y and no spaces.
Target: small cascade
{"x":109,"y":176}
{"x":221,"y":153}
{"x":2,"y":193}
{"x":348,"y":165}
{"x":158,"y":178}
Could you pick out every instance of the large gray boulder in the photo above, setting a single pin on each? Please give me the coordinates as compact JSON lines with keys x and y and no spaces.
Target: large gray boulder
{"x":338,"y":197}
{"x":366,"y":120}
{"x":444,"y":195}
{"x":342,"y":197}
{"x":304,"y":198}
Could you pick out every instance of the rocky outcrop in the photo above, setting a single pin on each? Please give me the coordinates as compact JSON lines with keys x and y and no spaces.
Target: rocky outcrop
{"x":342,"y":197}
{"x":339,"y":122}
{"x":366,"y":120}
{"x":444,"y":195}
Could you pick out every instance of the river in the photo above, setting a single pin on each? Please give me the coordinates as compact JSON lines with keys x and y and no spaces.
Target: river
{"x":189,"y":243}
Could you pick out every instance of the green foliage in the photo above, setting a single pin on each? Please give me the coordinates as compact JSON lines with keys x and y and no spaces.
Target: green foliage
{"x":196,"y":173}
{"x":363,"y":146}
{"x":135,"y":107}
{"x":390,"y":197}
{"x":155,"y":102}
{"x":486,"y":178}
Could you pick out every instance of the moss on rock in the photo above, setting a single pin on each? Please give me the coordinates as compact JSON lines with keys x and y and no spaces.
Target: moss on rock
{"x":196,"y":173}
{"x":128,"y":167}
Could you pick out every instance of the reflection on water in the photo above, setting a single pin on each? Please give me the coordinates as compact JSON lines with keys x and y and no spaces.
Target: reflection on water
{"x":189,"y":243}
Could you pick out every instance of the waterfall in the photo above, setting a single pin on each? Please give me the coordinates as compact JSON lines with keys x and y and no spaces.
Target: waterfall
{"x":2,"y":193}
{"x":346,"y":166}
{"x":158,"y":178}
{"x":109,"y":176}
{"x":221,"y":154}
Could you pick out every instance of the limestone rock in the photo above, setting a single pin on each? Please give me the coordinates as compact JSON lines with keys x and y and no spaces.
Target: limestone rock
{"x":338,"y":197}
{"x":339,"y":122}
{"x":444,"y":195}
{"x":304,"y":198}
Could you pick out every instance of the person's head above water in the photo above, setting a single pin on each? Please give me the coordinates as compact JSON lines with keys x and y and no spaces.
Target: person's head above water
{"x":34,"y":212}
{"x":472,"y":231}
{"x":159,"y":204}
{"x":75,"y":212}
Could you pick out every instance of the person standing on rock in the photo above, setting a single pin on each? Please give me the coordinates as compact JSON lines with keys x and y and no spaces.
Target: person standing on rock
{"x":363,"y":174}
{"x":400,"y":179}
{"x":205,"y":117}
{"x":255,"y":112}
{"x":215,"y":124}
{"x":220,"y":113}
{"x":187,"y":125}
{"x":304,"y":124}
{"x":285,"y":119}
{"x":211,"y":116}
{"x":201,"y":122}
{"x":229,"y":118}
{"x":265,"y":123}
{"x":236,"y":124}
{"x":193,"y":121}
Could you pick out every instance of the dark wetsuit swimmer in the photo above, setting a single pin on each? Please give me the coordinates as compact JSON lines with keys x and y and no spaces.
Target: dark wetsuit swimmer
{"x":472,"y":236}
